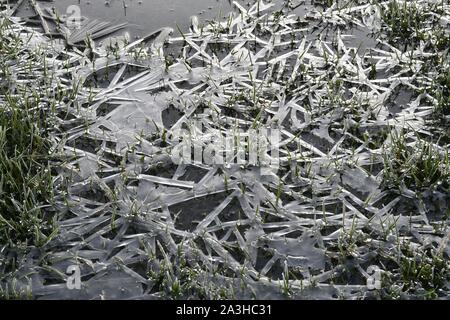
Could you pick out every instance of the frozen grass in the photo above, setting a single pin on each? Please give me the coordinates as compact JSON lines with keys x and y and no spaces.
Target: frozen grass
{"x":363,"y":177}
{"x":420,"y":167}
{"x":26,"y":181}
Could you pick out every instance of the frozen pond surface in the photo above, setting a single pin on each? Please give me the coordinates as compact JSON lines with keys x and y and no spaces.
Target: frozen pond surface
{"x":334,"y":206}
{"x":147,"y":15}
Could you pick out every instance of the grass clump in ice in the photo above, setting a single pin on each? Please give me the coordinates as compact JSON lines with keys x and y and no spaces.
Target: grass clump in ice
{"x":175,"y":278}
{"x":418,"y":167}
{"x":26,"y":181}
{"x":442,"y":93}
{"x":421,"y":273}
{"x":25,"y":175}
{"x":403,"y":18}
{"x":410,"y":22}
{"x":13,"y":292}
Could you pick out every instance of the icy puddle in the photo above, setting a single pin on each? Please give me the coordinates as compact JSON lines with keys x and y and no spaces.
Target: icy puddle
{"x":346,"y":189}
{"x":143,"y":16}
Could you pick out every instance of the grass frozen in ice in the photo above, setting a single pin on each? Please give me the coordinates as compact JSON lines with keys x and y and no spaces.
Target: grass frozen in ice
{"x":363,"y":178}
{"x":25,"y":171}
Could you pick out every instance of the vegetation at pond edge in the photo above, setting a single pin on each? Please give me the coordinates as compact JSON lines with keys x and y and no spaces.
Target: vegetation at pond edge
{"x":26,"y":186}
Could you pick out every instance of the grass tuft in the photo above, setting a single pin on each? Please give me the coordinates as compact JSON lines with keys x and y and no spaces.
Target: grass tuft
{"x":25,"y":174}
{"x":417,"y":167}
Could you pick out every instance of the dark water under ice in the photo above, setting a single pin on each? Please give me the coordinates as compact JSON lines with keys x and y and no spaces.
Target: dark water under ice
{"x":148,"y":15}
{"x":145,"y":16}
